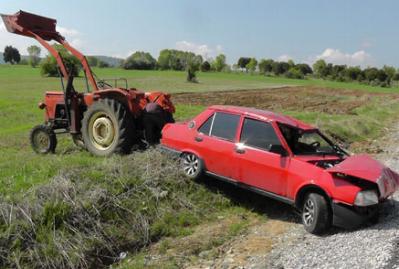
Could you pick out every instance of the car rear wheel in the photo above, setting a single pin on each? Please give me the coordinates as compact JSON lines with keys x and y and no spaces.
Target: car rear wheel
{"x":316,"y":215}
{"x":192,"y":165}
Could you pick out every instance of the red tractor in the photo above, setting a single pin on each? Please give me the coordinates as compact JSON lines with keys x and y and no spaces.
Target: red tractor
{"x":105,"y":119}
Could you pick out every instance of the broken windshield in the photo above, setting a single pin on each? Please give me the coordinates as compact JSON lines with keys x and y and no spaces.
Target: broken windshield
{"x":307,"y":142}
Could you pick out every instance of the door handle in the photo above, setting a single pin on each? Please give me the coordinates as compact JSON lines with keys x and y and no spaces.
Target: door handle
{"x":240,"y":150}
{"x":198,"y":139}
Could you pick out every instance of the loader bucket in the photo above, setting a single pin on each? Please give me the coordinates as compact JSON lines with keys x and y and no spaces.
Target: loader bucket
{"x":24,"y":23}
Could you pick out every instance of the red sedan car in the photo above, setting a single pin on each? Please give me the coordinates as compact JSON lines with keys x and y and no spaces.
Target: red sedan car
{"x":285,"y":159}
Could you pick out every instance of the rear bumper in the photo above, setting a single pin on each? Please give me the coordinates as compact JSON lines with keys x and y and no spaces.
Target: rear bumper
{"x":346,"y":216}
{"x":170,"y":151}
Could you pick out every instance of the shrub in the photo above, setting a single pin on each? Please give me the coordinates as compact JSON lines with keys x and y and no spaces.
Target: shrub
{"x":294,"y":73}
{"x":49,"y":65}
{"x":141,"y":61}
{"x":205,"y":66}
{"x":85,"y":220}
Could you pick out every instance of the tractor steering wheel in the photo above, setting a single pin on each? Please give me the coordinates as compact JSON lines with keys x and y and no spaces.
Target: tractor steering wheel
{"x":104,"y":85}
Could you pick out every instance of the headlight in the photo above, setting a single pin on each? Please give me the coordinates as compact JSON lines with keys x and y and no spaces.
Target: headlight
{"x":366,"y":198}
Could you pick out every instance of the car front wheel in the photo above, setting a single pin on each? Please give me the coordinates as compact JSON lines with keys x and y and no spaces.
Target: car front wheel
{"x":316,"y":216}
{"x":192,"y":165}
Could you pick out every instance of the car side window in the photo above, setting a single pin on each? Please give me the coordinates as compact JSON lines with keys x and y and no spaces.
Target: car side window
{"x":258,"y":134}
{"x":206,"y":126}
{"x":225,"y":125}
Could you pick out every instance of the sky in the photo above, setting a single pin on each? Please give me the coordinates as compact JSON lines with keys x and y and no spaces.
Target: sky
{"x":353,"y":32}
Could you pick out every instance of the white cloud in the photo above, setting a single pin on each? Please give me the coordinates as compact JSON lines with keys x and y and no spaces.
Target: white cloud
{"x":284,"y":58}
{"x":9,"y":39}
{"x":335,"y":56}
{"x":205,"y":50}
{"x":74,"y":37}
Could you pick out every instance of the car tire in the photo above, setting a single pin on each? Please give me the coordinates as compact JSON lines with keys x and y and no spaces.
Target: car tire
{"x":316,"y":214}
{"x":43,"y":139}
{"x":192,"y":166}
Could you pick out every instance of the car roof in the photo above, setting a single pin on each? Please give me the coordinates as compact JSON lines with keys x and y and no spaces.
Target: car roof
{"x":264,"y":115}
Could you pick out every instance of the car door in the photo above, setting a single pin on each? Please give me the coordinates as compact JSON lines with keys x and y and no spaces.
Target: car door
{"x":215,"y":142}
{"x":257,"y":165}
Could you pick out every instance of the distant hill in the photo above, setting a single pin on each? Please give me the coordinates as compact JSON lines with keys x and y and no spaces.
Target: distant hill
{"x":1,"y":58}
{"x":112,"y":61}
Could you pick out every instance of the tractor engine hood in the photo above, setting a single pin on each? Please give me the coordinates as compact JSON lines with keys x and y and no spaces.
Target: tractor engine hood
{"x":365,"y":167}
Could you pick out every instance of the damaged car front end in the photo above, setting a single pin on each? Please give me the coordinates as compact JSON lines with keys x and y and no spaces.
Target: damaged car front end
{"x":376,"y":183}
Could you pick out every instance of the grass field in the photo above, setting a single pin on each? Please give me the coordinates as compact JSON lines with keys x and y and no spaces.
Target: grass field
{"x":22,"y":88}
{"x":356,"y":113}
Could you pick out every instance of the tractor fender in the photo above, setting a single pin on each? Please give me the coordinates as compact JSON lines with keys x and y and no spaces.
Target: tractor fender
{"x":132,"y":100}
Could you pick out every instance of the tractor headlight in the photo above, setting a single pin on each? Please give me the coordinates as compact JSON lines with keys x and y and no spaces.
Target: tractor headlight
{"x":366,"y":198}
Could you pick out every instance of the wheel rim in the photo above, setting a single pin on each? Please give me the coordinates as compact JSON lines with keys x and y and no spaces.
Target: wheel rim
{"x":41,"y":141}
{"x":308,"y":213}
{"x":101,"y":131}
{"x":190,"y":164}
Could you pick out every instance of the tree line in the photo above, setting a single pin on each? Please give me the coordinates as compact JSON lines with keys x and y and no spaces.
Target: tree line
{"x":170,"y":59}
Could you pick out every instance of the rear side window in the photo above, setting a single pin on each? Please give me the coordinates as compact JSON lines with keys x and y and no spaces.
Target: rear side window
{"x":225,"y":125}
{"x":206,"y":126}
{"x":258,"y":134}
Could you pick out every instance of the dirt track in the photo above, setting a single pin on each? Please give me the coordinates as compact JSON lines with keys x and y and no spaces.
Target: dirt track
{"x":312,"y":99}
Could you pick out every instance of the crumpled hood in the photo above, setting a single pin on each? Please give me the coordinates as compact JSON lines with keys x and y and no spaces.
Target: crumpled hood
{"x":365,"y":167}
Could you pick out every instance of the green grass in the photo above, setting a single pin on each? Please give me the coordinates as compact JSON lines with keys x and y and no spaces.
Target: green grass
{"x":22,"y":87}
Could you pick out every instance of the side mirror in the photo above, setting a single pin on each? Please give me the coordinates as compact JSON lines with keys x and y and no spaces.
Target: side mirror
{"x":279,"y":149}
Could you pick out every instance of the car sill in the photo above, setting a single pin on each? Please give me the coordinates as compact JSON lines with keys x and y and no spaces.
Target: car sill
{"x":251,"y":188}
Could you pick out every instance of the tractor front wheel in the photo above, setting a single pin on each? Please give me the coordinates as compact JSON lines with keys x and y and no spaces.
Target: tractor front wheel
{"x":43,"y":139}
{"x":107,"y":128}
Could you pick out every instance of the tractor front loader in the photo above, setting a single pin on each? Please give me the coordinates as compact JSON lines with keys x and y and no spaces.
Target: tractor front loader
{"x":104,"y":119}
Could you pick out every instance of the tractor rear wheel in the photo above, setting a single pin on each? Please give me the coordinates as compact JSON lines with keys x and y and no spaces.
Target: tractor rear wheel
{"x":43,"y":139}
{"x":107,"y":128}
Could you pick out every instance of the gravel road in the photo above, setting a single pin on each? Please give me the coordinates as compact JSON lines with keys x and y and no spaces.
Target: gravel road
{"x":371,"y":246}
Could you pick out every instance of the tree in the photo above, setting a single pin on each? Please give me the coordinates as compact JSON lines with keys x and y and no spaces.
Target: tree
{"x":93,"y":61}
{"x":370,"y":74}
{"x":220,"y":62}
{"x":140,"y":60}
{"x":280,"y":68}
{"x":164,"y":59}
{"x":49,"y":65}
{"x":251,"y":66}
{"x":193,"y":65}
{"x":304,"y":69}
{"x":294,"y":72}
{"x":338,"y":72}
{"x":265,"y":66}
{"x":291,"y":63}
{"x":34,"y":55}
{"x":319,"y":68}
{"x":353,"y":73}
{"x":205,"y":66}
{"x":383,"y":76}
{"x":11,"y":55}
{"x":390,"y":71}
{"x":243,"y":61}
{"x":175,"y":59}
{"x":102,"y":64}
